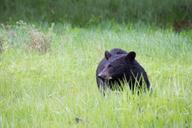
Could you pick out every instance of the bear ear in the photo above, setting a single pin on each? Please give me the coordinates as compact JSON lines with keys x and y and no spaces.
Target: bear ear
{"x":107,"y":55}
{"x":131,"y":56}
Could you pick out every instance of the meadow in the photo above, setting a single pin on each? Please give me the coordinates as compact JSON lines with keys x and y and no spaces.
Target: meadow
{"x":56,"y":87}
{"x":86,"y":12}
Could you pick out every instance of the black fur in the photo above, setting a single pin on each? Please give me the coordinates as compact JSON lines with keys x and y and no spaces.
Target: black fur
{"x":117,"y":67}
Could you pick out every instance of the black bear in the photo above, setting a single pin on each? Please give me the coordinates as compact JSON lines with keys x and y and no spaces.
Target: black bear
{"x":119,"y":66}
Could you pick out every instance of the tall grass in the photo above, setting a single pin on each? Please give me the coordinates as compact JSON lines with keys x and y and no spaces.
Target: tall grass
{"x":86,"y":12}
{"x":58,"y":88}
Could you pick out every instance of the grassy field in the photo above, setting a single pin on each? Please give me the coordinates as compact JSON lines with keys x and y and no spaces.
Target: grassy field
{"x":86,"y":12}
{"x":57,"y":88}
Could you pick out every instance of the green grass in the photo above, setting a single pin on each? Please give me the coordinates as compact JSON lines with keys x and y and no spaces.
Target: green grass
{"x":57,"y":88}
{"x":86,"y":12}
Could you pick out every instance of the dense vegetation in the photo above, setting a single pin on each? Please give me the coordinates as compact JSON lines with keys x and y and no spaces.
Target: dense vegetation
{"x":49,"y":51}
{"x":86,"y":12}
{"x":57,"y":88}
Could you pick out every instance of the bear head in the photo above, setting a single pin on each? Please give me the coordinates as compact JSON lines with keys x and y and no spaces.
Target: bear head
{"x":117,"y":66}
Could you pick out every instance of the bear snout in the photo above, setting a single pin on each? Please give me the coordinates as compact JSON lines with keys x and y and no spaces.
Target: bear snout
{"x":104,"y":76}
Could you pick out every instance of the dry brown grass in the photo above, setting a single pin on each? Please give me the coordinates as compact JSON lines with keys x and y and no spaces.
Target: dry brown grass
{"x":38,"y":41}
{"x":180,"y":25}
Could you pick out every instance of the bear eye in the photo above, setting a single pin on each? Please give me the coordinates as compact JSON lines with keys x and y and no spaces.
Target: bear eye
{"x":109,"y":66}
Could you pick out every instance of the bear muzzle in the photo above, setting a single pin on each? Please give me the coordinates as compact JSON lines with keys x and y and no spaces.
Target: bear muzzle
{"x":104,"y":76}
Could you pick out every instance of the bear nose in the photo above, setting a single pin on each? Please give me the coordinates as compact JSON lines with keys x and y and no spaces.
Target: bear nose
{"x":102,"y":76}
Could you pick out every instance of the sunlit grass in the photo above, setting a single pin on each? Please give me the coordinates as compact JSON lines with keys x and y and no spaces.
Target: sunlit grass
{"x":58,"y":88}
